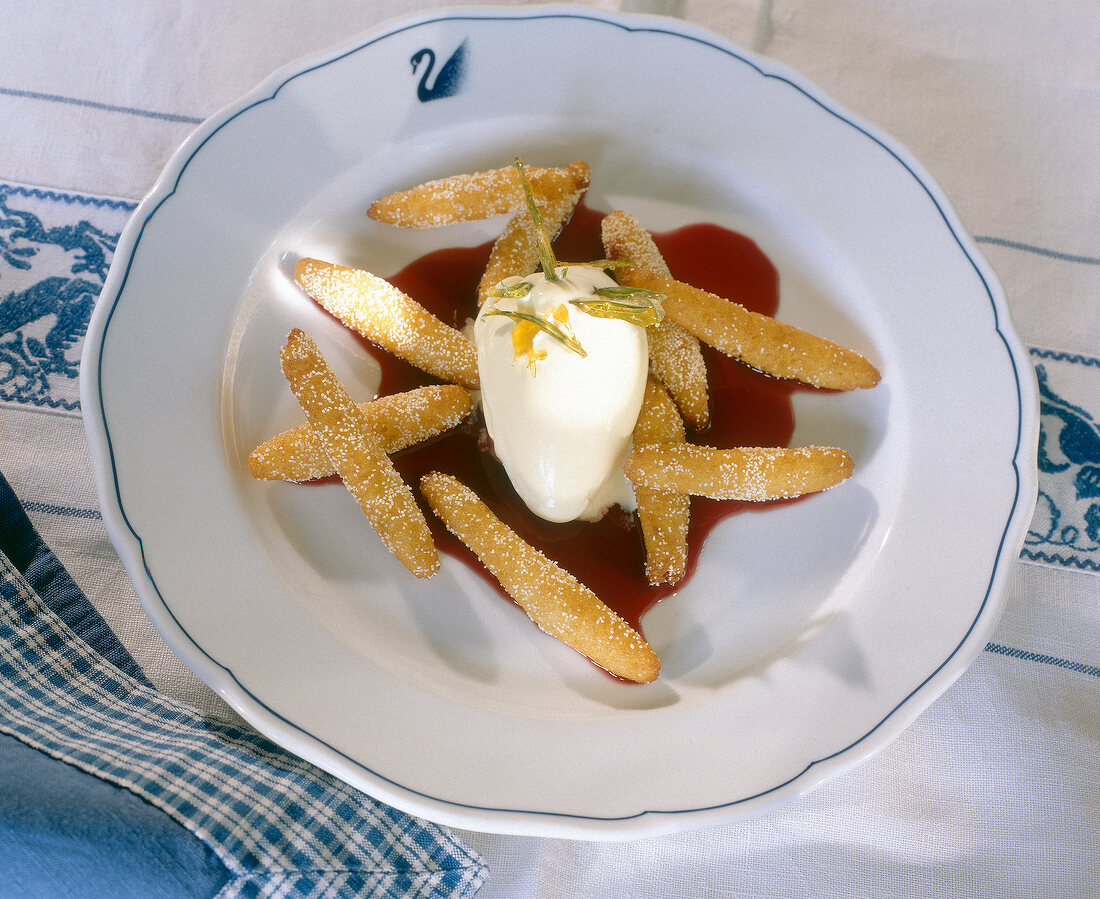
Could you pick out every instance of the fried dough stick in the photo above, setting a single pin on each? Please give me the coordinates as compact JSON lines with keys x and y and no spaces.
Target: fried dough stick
{"x":475,"y":195}
{"x":674,"y":353}
{"x":555,"y":600}
{"x":663,"y":515}
{"x":387,"y":317}
{"x":516,"y":251}
{"x":752,"y":473}
{"x":761,"y":342}
{"x":397,"y":421}
{"x":365,"y":469}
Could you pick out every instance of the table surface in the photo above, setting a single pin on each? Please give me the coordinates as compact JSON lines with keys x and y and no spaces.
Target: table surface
{"x":992,"y":791}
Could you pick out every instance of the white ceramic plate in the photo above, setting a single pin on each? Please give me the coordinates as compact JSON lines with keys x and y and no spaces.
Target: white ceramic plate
{"x":810,"y":636}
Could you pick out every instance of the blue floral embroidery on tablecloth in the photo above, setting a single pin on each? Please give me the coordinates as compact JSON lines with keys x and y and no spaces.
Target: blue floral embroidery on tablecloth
{"x":1065,"y":529}
{"x":55,"y":249}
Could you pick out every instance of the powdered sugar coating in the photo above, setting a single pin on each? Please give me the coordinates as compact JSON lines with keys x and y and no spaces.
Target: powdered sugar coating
{"x":625,"y":238}
{"x":396,"y":421}
{"x":674,"y":353}
{"x":676,"y":359}
{"x":475,"y":195}
{"x":555,"y":600}
{"x":387,"y":317}
{"x":662,"y":514}
{"x":770,"y":346}
{"x":751,"y":473}
{"x":366,"y":470}
{"x":516,"y":252}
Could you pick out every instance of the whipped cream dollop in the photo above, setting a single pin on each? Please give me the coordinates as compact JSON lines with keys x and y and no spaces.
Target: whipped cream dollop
{"x":561,"y":422}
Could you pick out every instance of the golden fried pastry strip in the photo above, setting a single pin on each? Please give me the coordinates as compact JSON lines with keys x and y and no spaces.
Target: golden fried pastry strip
{"x":675,"y":358}
{"x":674,"y":353}
{"x":387,"y":317}
{"x":365,"y":469}
{"x":396,"y":422}
{"x":626,"y":239}
{"x":555,"y":600}
{"x":753,"y":473}
{"x":516,"y":251}
{"x":770,"y":346}
{"x":663,"y":515}
{"x":474,"y":195}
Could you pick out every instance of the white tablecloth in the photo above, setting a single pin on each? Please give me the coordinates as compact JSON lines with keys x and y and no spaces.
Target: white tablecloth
{"x":994,"y":791}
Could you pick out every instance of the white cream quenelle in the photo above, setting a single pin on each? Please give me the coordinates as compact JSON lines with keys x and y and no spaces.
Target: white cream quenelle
{"x":561,"y":422}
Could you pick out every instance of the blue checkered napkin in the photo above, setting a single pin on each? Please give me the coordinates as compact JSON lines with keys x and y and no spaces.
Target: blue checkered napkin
{"x":278,"y":825}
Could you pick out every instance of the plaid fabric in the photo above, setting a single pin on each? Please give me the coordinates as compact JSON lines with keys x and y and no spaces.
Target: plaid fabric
{"x":47,"y":577}
{"x":280,"y":826}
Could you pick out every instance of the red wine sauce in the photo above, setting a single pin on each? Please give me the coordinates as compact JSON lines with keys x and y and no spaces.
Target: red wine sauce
{"x":747,"y":408}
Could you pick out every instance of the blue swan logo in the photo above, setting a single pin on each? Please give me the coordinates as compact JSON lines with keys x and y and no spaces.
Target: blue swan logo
{"x":448,"y":81}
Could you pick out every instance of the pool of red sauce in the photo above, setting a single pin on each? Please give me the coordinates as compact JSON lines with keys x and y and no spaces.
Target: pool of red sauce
{"x":747,"y":408}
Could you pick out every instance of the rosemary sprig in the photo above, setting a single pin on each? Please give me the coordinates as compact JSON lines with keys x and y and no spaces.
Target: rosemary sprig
{"x":635,"y":305}
{"x":621,"y":292}
{"x":607,"y":265}
{"x":546,"y":252}
{"x":543,"y":323}
{"x":512,"y":292}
